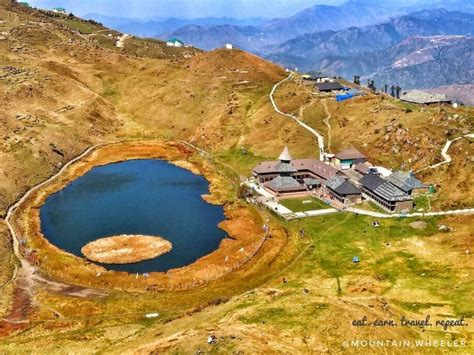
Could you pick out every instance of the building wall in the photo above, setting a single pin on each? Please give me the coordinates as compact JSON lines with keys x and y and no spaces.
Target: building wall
{"x":344,"y":164}
{"x":353,"y":199}
{"x":388,"y":205}
{"x":347,"y":200}
{"x":262,"y":178}
{"x":336,"y":196}
{"x":290,"y":194}
{"x":368,"y":194}
{"x":300,"y":175}
{"x":294,"y":195}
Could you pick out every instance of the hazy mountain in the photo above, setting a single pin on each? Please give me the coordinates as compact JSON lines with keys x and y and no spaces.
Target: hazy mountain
{"x":416,"y":62}
{"x":111,"y":21}
{"x":428,"y":62}
{"x":462,"y":93}
{"x":317,"y":18}
{"x":336,"y":51}
{"x":157,"y":27}
{"x":411,"y":51}
{"x":324,"y":17}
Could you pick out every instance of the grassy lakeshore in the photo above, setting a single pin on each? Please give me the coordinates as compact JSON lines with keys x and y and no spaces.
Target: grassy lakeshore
{"x":243,"y":225}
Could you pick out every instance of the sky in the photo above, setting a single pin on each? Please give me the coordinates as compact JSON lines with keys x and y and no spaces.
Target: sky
{"x":146,"y":9}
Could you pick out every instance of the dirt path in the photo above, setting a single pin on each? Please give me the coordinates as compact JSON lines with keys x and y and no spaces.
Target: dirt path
{"x":444,"y":153}
{"x":326,"y":122}
{"x":121,"y":41}
{"x":11,"y":211}
{"x":26,"y":276}
{"x":319,"y":137}
{"x":409,"y":215}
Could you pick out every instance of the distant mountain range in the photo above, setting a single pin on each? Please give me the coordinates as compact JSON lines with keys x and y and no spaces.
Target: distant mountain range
{"x":420,"y":62}
{"x":309,"y":21}
{"x":388,"y":42}
{"x":160,"y":27}
{"x":314,"y":19}
{"x":364,"y":50}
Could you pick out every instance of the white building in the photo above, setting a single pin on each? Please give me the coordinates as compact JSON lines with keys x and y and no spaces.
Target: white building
{"x":229,"y":46}
{"x":59,"y":10}
{"x":173,"y":42}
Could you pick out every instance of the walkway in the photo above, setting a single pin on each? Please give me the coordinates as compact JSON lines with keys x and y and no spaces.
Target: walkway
{"x":319,"y":137}
{"x":269,"y":200}
{"x":444,"y":152}
{"x":121,"y":41}
{"x":27,"y":271}
{"x":409,"y":215}
{"x":326,"y":122}
{"x":8,"y":219}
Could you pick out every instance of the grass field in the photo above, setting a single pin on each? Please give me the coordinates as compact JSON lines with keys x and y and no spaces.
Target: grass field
{"x":302,"y":204}
{"x":370,"y":206}
{"x":422,"y":203}
{"x":310,"y":305}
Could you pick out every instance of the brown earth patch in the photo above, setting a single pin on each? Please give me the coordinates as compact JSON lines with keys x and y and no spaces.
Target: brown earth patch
{"x":126,"y":249}
{"x":418,"y":224}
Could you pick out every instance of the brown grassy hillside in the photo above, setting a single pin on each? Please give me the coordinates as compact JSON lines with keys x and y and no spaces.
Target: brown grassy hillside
{"x":403,"y":136}
{"x":65,"y":87}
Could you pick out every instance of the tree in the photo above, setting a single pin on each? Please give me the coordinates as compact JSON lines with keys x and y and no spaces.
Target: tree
{"x":392,"y":91}
{"x":398,"y":89}
{"x":357,"y":79}
{"x":371,"y":85}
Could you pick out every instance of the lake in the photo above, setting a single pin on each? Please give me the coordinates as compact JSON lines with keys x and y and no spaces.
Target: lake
{"x":147,"y":197}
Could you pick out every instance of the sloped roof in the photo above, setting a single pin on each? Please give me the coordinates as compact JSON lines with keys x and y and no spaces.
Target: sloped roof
{"x":284,"y":183}
{"x":266,"y":167}
{"x":349,"y":153}
{"x":285,"y":155}
{"x":405,"y":181}
{"x":327,"y":86}
{"x":311,"y":181}
{"x":423,"y":97}
{"x":363,"y":168}
{"x":384,"y":189}
{"x":282,"y":167}
{"x":335,"y":181}
{"x":315,"y":166}
{"x":342,"y":186}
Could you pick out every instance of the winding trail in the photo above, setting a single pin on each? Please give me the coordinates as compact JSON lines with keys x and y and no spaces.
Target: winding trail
{"x":121,"y":41}
{"x":11,"y":211}
{"x":26,"y":270}
{"x":410,"y":215}
{"x":326,"y":122}
{"x":444,"y":152}
{"x":318,"y":136}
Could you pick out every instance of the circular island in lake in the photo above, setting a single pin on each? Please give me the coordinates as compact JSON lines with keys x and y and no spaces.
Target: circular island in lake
{"x":126,"y":249}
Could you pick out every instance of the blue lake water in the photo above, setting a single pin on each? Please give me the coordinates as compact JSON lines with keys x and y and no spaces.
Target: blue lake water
{"x":148,"y":197}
